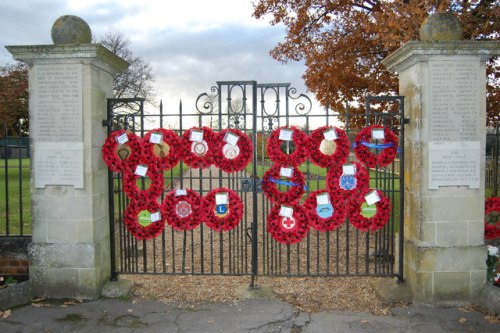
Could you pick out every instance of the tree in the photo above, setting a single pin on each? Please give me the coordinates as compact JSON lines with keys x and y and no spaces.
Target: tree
{"x":343,"y":42}
{"x":14,"y":100}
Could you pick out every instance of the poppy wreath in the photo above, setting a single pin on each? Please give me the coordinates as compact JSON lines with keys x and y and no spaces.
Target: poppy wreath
{"x":325,"y":224}
{"x":286,"y":231}
{"x":192,"y":159}
{"x":272,"y":177}
{"x":492,"y":231}
{"x":152,"y":192}
{"x":221,"y":223}
{"x":389,"y":147}
{"x":131,"y":220}
{"x":374,"y":223}
{"x":238,"y":163}
{"x":170,"y":138}
{"x":170,"y":212}
{"x":111,"y":156}
{"x":339,"y":194}
{"x":298,"y":156}
{"x":341,"y":150}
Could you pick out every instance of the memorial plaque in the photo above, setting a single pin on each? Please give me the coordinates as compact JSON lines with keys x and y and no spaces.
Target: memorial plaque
{"x":454,"y":164}
{"x":57,"y":97}
{"x":59,"y":164}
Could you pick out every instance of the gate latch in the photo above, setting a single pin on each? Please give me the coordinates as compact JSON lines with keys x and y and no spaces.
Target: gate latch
{"x":247,"y":184}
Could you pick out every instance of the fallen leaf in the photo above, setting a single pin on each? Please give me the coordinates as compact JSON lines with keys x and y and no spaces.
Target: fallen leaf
{"x":492,"y":319}
{"x":211,"y":321}
{"x":462,"y":320}
{"x":364,"y":321}
{"x":130,"y":310}
{"x":38,"y":299}
{"x":5,"y":314}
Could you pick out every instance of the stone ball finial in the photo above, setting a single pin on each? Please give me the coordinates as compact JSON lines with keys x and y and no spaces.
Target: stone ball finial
{"x":70,"y":29}
{"x":441,"y":26}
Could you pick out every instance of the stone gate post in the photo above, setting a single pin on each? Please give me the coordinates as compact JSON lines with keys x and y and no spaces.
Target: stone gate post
{"x":443,"y":80}
{"x":69,"y":83}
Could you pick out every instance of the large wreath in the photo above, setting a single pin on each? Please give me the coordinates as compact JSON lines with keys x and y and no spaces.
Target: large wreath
{"x":288,"y":230}
{"x":389,"y":147}
{"x":226,"y":221}
{"x":202,"y":159}
{"x":182,"y":212}
{"x":131,"y":220}
{"x":324,"y":224}
{"x":232,"y":158}
{"x":341,"y":147}
{"x":120,"y":157}
{"x":151,"y":191}
{"x":169,"y":140}
{"x":377,"y":221}
{"x":333,"y":178}
{"x":492,"y":230}
{"x":276,"y":154}
{"x":296,"y":185}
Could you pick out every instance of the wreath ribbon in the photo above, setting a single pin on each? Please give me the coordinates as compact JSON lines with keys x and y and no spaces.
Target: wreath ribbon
{"x":284,"y":182}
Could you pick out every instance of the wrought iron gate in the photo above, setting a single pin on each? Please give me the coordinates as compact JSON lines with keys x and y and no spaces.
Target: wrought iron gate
{"x":257,"y":109}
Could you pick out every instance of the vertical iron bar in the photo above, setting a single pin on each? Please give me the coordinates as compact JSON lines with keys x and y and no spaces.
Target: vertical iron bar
{"x":254,"y":193}
{"x":111,"y":201}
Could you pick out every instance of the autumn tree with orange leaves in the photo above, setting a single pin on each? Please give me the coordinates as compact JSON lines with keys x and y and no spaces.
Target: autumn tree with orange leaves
{"x":14,"y":100}
{"x":343,"y":42}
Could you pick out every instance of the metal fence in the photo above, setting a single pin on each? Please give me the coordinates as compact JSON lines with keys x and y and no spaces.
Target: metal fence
{"x":492,"y":176}
{"x":248,"y":249}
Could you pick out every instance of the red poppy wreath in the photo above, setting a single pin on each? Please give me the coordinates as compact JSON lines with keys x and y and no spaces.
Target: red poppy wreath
{"x":363,"y":144}
{"x":162,"y":147}
{"x":370,"y":217}
{"x":198,"y":146}
{"x":295,"y":183}
{"x":181,"y":209}
{"x":233,"y":150}
{"x":334,"y":134}
{"x":295,"y":135}
{"x":323,"y":216}
{"x":492,"y":229}
{"x":288,"y":230}
{"x":149,"y":193}
{"x":121,"y":151}
{"x":221,"y":209}
{"x":344,"y":186}
{"x":143,"y":219}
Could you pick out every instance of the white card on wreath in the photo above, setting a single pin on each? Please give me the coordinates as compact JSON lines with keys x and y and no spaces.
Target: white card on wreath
{"x":372,"y":197}
{"x":196,"y":136}
{"x":286,"y":134}
{"x":180,"y":192}
{"x":156,"y":138}
{"x":378,"y":134}
{"x":122,"y":139}
{"x":286,"y":211}
{"x":286,"y":172}
{"x":221,"y":198}
{"x":155,"y":217}
{"x":323,"y":199}
{"x":349,"y":169}
{"x":141,"y":170}
{"x":231,"y":138}
{"x":330,"y":135}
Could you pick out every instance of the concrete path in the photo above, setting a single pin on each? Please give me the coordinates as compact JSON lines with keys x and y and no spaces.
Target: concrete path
{"x":249,"y":315}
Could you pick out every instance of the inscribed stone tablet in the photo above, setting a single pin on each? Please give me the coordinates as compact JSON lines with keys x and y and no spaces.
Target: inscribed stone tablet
{"x":59,"y":164}
{"x":57,"y":97}
{"x":454,"y":164}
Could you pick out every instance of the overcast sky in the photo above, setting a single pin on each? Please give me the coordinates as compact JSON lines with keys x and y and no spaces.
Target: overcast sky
{"x":190,"y":44}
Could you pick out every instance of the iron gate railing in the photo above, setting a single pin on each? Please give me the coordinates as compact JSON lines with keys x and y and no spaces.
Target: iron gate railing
{"x":258,"y":109}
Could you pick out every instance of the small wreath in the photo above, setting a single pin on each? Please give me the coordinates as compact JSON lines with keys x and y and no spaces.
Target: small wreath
{"x":132,"y":219}
{"x":232,"y":157}
{"x":120,"y":157}
{"x":492,"y":230}
{"x":151,"y":192}
{"x":277,"y":155}
{"x":182,"y":212}
{"x":222,"y":220}
{"x":166,"y":152}
{"x":198,"y":154}
{"x":341,"y":147}
{"x":333,"y":183}
{"x":389,"y":147}
{"x":324,"y":223}
{"x":370,"y":223}
{"x":296,"y":183}
{"x":288,"y":230}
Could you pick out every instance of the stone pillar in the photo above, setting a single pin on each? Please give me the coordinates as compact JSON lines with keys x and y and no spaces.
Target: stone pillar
{"x":69,"y":83}
{"x":443,"y":81}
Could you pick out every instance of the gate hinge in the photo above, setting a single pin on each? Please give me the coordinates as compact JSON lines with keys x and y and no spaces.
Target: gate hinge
{"x":406,"y":121}
{"x":106,"y":122}
{"x":251,"y":184}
